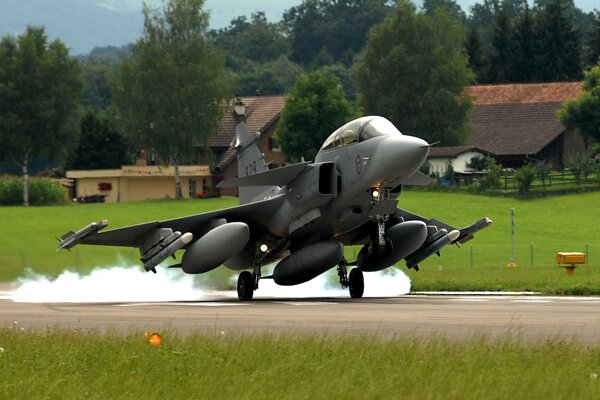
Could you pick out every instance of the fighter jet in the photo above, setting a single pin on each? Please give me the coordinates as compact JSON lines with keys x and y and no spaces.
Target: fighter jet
{"x":302,"y":215}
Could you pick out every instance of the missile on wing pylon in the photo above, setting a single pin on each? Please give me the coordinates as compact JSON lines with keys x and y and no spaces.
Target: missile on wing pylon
{"x":466,"y":234}
{"x":71,"y":239}
{"x":167,"y":251}
{"x":420,"y":255}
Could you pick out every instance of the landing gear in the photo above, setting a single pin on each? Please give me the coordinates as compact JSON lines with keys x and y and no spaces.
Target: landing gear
{"x":343,"y":273}
{"x":356,"y":283}
{"x":245,"y":286}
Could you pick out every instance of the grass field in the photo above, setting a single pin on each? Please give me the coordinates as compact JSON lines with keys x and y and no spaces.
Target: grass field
{"x":85,"y":365}
{"x":552,"y":224}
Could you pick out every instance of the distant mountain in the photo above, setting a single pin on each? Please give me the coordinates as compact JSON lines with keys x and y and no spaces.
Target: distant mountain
{"x":86,"y":24}
{"x":81,"y":24}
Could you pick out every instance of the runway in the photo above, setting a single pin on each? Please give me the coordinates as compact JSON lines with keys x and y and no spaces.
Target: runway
{"x":452,"y":316}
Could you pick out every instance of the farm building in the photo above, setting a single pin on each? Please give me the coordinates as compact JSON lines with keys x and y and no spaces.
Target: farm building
{"x":147,"y":181}
{"x":517,"y":123}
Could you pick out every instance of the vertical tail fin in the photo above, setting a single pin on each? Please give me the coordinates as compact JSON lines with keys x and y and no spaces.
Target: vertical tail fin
{"x":250,"y":161}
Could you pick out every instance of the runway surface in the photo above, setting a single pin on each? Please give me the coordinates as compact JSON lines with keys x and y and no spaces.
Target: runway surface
{"x":451,"y":316}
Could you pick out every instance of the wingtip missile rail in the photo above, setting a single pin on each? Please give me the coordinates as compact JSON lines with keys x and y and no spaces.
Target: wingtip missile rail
{"x":466,"y":234}
{"x":71,"y":239}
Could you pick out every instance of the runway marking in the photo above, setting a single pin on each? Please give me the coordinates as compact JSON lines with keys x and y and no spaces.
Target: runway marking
{"x":190,"y":304}
{"x":475,"y":293}
{"x":304,"y":303}
{"x":532,"y":301}
{"x":471,"y":300}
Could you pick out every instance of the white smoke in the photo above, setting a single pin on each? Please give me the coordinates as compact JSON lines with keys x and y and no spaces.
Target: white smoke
{"x":131,"y":284}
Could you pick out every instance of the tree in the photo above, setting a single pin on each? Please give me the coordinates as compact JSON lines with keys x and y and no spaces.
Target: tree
{"x":271,"y":77}
{"x":524,"y":54}
{"x":477,"y":163}
{"x":558,"y":44}
{"x":475,"y":52}
{"x":449,"y":6}
{"x":483,"y":15}
{"x":414,"y":72}
{"x":97,"y":92}
{"x":101,"y":143}
{"x":40,"y":87}
{"x":339,"y":27}
{"x":593,"y":55}
{"x":583,"y":112}
{"x":543,"y":170}
{"x":315,"y":107}
{"x":256,"y":40}
{"x":501,"y":57}
{"x":580,"y":166}
{"x":173,"y":87}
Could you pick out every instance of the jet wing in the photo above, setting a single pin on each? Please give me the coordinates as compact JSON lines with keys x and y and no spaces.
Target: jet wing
{"x":278,"y":177}
{"x":466,"y":233}
{"x":418,"y":179}
{"x":252,"y":213}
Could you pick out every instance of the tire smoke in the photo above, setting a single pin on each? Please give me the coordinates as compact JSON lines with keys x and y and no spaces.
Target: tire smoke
{"x":131,"y":284}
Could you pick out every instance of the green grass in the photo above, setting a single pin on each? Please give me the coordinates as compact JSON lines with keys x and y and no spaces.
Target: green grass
{"x":84,"y":365}
{"x":551,"y":224}
{"x":27,"y":234}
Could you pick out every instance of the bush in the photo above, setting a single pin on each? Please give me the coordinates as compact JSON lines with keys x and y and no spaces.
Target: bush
{"x":491,"y":178}
{"x":524,"y":177}
{"x":42,"y":191}
{"x":11,"y":191}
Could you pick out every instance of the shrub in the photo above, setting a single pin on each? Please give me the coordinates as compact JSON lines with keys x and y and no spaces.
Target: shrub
{"x":42,"y":191}
{"x":11,"y":191}
{"x":580,"y":166}
{"x":477,"y":163}
{"x":524,"y":177}
{"x":491,"y":178}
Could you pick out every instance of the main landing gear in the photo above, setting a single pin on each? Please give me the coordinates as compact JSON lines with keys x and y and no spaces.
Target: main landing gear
{"x":245,"y":286}
{"x":248,"y":282}
{"x":354,"y":281}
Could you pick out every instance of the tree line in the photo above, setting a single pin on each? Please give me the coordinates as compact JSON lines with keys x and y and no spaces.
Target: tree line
{"x":165,"y":92}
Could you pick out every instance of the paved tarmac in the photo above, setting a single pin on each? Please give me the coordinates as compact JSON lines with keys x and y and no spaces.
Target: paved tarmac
{"x":452,"y":316}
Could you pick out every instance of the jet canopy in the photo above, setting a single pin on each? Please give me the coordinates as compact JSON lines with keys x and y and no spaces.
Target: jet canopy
{"x":359,"y":130}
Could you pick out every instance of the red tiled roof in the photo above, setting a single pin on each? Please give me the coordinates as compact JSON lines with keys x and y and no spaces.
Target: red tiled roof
{"x":261,"y":112}
{"x":524,"y":93}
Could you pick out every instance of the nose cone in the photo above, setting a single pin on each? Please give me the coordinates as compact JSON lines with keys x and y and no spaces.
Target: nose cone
{"x":403,"y":155}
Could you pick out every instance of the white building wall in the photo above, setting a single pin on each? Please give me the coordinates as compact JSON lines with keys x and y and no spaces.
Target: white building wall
{"x":439,"y":165}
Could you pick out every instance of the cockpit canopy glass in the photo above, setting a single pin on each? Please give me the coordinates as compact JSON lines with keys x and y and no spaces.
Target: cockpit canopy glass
{"x":359,"y":130}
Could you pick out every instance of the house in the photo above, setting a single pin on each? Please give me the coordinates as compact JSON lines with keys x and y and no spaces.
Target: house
{"x":260,"y":114}
{"x":517,"y":123}
{"x":139,"y":182}
{"x":143,"y":181}
{"x":458,"y":156}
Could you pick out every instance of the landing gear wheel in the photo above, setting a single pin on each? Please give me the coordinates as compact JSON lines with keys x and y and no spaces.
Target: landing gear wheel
{"x":245,"y":286}
{"x":356,"y":283}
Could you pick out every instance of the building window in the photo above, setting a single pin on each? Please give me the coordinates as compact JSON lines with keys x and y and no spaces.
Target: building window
{"x":273,"y":145}
{"x":192,"y":188}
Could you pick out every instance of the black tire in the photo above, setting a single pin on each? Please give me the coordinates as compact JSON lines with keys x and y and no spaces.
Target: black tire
{"x":356,"y":283}
{"x":245,"y":286}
